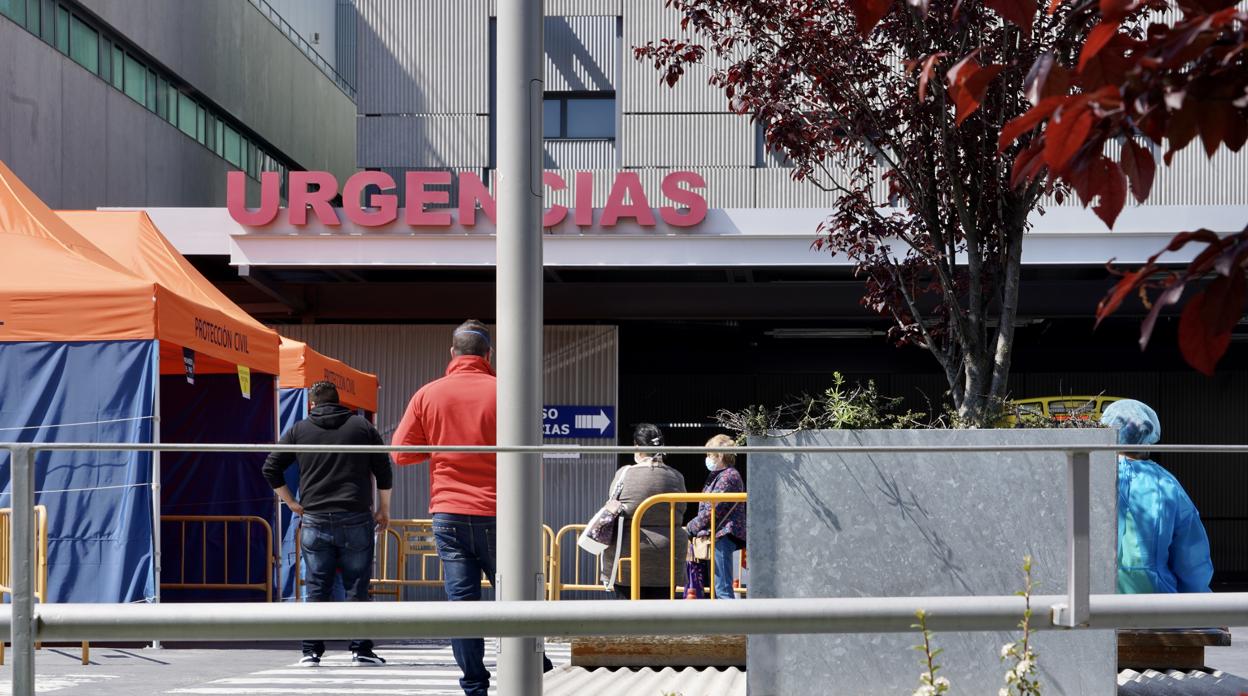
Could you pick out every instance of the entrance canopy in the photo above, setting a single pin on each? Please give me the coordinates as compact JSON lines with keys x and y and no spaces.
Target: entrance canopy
{"x":302,"y":367}
{"x":191,"y":312}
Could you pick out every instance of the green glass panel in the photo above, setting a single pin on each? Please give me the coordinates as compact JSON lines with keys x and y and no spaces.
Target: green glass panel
{"x":32,"y":15}
{"x":136,"y":80}
{"x":84,"y":45}
{"x":119,"y":60}
{"x":14,"y":10}
{"x":62,"y":30}
{"x":233,"y":147}
{"x":186,"y":115}
{"x":150,"y":103}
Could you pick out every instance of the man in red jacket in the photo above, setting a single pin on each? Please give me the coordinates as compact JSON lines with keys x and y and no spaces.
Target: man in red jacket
{"x":461,"y":408}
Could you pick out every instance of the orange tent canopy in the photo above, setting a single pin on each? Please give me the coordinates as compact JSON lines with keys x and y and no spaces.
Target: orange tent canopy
{"x":55,"y":285}
{"x":216,"y":328}
{"x":302,"y":367}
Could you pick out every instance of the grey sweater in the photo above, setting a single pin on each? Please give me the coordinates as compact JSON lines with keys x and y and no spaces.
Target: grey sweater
{"x":645,"y":480}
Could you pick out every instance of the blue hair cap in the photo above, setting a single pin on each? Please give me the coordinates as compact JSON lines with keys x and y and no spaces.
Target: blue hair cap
{"x":1137,"y":424}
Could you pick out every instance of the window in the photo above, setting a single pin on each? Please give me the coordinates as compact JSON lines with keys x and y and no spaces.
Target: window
{"x":552,"y":118}
{"x":233,"y":152}
{"x":106,"y":61}
{"x":136,"y":80}
{"x":47,"y":30}
{"x":171,"y":97}
{"x":162,"y":98}
{"x":62,"y":30}
{"x":186,"y":115}
{"x":14,"y":10}
{"x":150,"y":103}
{"x":32,"y":15}
{"x":84,"y":45}
{"x":118,"y":67}
{"x":219,"y":147}
{"x":201,"y":125}
{"x":579,"y":115}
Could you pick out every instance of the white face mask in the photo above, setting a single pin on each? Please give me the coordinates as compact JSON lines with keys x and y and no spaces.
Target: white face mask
{"x":711,"y":464}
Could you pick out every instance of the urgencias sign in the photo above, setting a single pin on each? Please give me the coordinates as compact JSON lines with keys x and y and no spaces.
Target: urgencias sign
{"x":314,"y":191}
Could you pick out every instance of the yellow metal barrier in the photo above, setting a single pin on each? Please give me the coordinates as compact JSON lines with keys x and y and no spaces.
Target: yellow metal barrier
{"x":249,"y":521}
{"x":41,"y":563}
{"x":557,"y":585}
{"x":670,"y":499}
{"x":413,"y":539}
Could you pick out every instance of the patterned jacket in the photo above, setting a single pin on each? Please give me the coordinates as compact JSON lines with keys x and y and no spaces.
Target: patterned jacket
{"x":729,"y":517}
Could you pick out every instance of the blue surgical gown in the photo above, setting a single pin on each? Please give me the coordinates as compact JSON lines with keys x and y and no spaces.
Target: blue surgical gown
{"x":1162,"y":546}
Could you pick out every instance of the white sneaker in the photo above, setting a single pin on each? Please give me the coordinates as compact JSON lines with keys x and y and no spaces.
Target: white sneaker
{"x":310,"y":661}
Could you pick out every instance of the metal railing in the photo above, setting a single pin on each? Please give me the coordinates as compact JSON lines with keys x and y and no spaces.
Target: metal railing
{"x":41,"y":561}
{"x":1077,"y":609}
{"x":672,"y":500}
{"x":413,"y":540}
{"x":306,"y":48}
{"x":207,"y":581}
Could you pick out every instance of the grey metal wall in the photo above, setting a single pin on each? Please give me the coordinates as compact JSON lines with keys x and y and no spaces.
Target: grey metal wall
{"x":581,"y":368}
{"x":79,"y":143}
{"x":232,"y":54}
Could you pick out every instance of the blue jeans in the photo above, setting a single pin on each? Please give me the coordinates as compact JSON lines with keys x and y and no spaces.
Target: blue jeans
{"x":466,"y":547}
{"x":333,"y":541}
{"x":724,"y":548}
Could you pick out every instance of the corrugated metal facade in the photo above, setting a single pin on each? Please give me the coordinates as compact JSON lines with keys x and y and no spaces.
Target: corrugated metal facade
{"x":425,"y":140}
{"x":427,"y":57}
{"x":580,"y":155}
{"x":687,"y":140}
{"x":582,"y":54}
{"x":644,"y":92}
{"x":581,"y":369}
{"x":432,"y":57}
{"x":344,"y":40}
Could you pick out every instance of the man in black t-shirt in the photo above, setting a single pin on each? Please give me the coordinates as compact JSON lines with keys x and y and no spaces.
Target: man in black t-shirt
{"x":336,"y":506}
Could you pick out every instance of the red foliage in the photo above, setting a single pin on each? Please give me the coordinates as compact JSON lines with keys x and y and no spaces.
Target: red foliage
{"x":927,"y":205}
{"x":1140,"y":80}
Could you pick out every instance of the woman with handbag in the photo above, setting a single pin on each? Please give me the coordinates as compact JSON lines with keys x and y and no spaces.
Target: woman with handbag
{"x":729,"y":518}
{"x":649,"y":476}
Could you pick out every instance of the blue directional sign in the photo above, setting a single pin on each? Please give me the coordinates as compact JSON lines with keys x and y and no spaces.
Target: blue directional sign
{"x":568,"y":422}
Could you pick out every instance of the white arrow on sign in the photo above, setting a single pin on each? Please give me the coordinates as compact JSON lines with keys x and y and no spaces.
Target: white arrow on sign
{"x":599,"y":421}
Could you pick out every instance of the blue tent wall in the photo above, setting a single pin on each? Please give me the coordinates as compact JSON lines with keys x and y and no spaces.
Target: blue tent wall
{"x":99,"y":503}
{"x":213,"y":483}
{"x":292,"y":407}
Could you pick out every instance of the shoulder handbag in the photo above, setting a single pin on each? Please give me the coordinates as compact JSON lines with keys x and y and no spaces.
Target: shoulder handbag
{"x":606,"y":527}
{"x":703,"y":546}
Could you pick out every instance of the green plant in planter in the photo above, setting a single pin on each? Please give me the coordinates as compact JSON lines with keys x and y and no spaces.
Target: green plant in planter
{"x":1020,"y":679}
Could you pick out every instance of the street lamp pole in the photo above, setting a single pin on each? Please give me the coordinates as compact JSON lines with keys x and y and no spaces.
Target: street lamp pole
{"x":520,"y":324}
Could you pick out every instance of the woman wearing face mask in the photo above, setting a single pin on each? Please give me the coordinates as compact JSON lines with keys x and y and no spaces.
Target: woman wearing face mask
{"x":649,"y":476}
{"x":729,"y":517}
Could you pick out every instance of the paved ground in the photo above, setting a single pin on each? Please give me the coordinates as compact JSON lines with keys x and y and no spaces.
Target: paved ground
{"x":424,"y":668}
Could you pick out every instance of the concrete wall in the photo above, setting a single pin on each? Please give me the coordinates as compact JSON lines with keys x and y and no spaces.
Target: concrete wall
{"x":233,"y":55}
{"x":79,"y":143}
{"x":877,"y":525}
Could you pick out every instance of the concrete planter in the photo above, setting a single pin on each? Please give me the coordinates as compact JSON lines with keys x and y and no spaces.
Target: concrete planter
{"x":869,"y":525}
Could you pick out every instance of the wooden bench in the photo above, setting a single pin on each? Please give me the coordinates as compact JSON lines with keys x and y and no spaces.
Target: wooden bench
{"x":1179,"y":648}
{"x":658,"y":651}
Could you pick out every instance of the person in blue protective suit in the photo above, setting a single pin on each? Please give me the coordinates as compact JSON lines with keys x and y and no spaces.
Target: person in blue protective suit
{"x":1162,"y":546}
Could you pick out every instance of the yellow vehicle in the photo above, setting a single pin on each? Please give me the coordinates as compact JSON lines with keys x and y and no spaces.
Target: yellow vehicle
{"x":1057,"y":408}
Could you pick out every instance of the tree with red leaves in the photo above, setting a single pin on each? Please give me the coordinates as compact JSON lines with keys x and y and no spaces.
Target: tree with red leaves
{"x":900,"y":107}
{"x":1143,"y":82}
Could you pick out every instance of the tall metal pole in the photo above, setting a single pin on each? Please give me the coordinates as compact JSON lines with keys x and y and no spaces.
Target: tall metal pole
{"x":520,"y":323}
{"x":22,"y":558}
